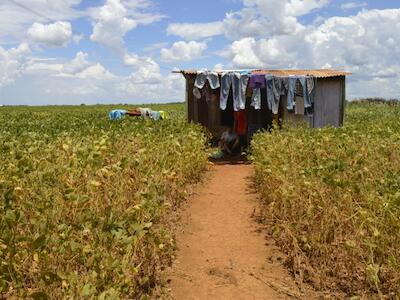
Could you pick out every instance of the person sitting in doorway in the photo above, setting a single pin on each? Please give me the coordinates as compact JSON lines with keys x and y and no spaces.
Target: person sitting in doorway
{"x":230,"y":143}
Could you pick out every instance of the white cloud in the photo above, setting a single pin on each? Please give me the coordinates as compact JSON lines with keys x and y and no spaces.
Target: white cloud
{"x":118,"y":17}
{"x":361,"y":41}
{"x":146,"y":83}
{"x":170,"y":88}
{"x":112,"y":24}
{"x":364,"y":44}
{"x":219,"y":66}
{"x":79,"y":68}
{"x":183,"y":51}
{"x":195,"y":31}
{"x":12,"y":63}
{"x":78,"y":64}
{"x":57,"y":81}
{"x":276,"y":52}
{"x":113,"y":21}
{"x":264,"y":18}
{"x":262,"y":34}
{"x":146,"y":70}
{"x":16,"y":19}
{"x":73,"y":82}
{"x":42,"y":67}
{"x":299,"y":8}
{"x":77,"y":38}
{"x":258,"y":18}
{"x":96,"y":71}
{"x":142,"y":86}
{"x":56,"y":34}
{"x":155,"y":47}
{"x":352,"y":5}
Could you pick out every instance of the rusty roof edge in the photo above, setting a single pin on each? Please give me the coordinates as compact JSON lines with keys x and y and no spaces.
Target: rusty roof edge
{"x":325,"y":72}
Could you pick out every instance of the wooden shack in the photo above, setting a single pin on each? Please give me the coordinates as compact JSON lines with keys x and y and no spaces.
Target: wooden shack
{"x":328,"y":109}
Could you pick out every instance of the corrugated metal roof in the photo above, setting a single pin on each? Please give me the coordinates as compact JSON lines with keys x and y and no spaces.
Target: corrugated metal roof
{"x":319,"y":73}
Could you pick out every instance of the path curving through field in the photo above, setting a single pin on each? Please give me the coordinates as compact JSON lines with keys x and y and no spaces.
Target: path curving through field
{"x":222,"y":252}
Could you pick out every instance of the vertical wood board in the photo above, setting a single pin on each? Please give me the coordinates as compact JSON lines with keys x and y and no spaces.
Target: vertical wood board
{"x":327,"y":103}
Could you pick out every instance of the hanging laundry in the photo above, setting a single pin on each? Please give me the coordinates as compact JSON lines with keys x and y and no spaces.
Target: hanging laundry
{"x":310,"y":84}
{"x":197,"y":93}
{"x":257,"y":82}
{"x":206,"y":92}
{"x":238,"y":82}
{"x":211,"y":77}
{"x":280,"y":89}
{"x":241,"y":126}
{"x":276,"y":87}
{"x":227,"y":81}
{"x":292,"y":87}
{"x":201,"y":88}
{"x":285,"y":82}
{"x":241,"y":102}
{"x":304,"y":83}
{"x":245,"y":72}
{"x":256,"y":99}
{"x":240,"y":122}
{"x":307,"y":83}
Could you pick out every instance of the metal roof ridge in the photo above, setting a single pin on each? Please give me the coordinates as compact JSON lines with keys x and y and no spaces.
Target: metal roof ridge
{"x":287,"y":72}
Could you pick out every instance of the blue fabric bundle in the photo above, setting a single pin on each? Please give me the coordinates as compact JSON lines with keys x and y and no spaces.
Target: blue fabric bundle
{"x":155,"y":115}
{"x":117,"y":114}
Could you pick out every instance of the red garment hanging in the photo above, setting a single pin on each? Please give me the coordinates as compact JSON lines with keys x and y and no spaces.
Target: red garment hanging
{"x":240,"y":122}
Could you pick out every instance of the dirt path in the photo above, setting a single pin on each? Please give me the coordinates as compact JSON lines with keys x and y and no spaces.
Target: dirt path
{"x":222,"y":254}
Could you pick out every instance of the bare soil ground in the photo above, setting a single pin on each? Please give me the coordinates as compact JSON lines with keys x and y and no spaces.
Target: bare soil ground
{"x":222,"y":251}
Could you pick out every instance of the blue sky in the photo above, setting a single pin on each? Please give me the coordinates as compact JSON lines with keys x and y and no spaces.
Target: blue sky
{"x":114,"y":51}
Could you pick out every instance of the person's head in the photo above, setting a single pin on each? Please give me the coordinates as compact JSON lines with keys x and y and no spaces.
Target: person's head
{"x":227,"y":129}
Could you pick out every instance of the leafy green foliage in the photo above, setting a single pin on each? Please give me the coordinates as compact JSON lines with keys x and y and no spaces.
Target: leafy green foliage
{"x":83,"y":201}
{"x":333,"y":198}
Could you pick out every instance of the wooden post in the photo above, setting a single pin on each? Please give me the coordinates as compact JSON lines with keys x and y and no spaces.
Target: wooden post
{"x":190,"y":98}
{"x":343,"y":102}
{"x":214,"y":116}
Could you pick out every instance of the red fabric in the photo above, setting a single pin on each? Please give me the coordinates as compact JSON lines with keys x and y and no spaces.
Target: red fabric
{"x":241,"y":122}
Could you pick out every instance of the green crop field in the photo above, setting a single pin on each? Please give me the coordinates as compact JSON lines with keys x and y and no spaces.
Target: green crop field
{"x":332,"y":197}
{"x":85,"y":201}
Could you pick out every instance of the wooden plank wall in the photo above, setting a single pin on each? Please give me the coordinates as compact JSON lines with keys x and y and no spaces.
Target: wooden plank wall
{"x":214,"y":113}
{"x":196,"y":107}
{"x":190,"y":99}
{"x":328,"y":103}
{"x":343,"y":102}
{"x":292,"y":118}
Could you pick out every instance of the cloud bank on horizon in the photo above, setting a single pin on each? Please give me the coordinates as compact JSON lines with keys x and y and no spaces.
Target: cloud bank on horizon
{"x":123,"y":51}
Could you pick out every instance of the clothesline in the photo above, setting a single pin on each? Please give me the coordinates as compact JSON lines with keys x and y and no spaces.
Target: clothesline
{"x":239,"y":81}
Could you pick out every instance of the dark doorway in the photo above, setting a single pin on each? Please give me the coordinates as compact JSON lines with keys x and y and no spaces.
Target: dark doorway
{"x":258,"y":119}
{"x":227,"y":118}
